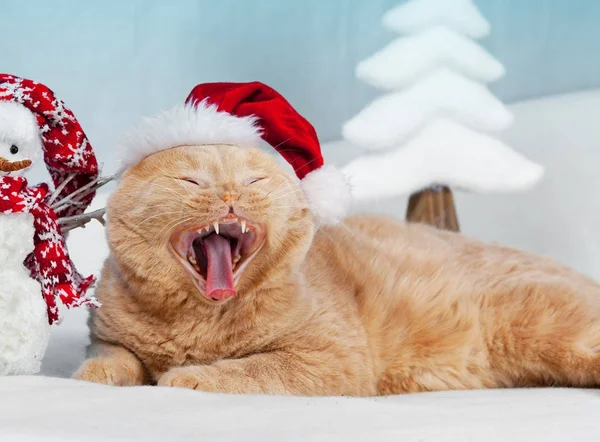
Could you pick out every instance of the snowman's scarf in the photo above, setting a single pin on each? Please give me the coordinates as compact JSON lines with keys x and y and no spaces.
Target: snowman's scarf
{"x":49,"y":262}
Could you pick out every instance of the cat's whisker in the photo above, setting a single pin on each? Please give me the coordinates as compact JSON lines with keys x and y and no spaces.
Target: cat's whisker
{"x":280,"y":191}
{"x":280,"y":196}
{"x":284,"y":210}
{"x":290,"y":207}
{"x":283,"y":198}
{"x":186,"y":188}
{"x":347,"y":228}
{"x":319,"y":228}
{"x":284,"y":202}
{"x":174,"y":224}
{"x":179,"y":199}
{"x":298,"y":207}
{"x":166,"y":227}
{"x":152,"y":183}
{"x":183,"y":185}
{"x":282,"y":143}
{"x":160,"y":214}
{"x":274,"y":188}
{"x":154,"y":216}
{"x":295,"y":150}
{"x":137,"y":206}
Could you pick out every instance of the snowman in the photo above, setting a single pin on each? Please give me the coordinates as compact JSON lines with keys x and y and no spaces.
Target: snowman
{"x":38,"y":277}
{"x":25,"y":328}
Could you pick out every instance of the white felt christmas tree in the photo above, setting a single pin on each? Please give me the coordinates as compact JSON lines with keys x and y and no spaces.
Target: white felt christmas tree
{"x":435,"y":126}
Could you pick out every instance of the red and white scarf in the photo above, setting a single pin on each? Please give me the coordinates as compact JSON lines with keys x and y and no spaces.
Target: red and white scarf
{"x":49,"y":262}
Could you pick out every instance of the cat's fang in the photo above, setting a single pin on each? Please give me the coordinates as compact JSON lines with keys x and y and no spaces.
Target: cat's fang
{"x":243,"y":223}
{"x":216,"y":225}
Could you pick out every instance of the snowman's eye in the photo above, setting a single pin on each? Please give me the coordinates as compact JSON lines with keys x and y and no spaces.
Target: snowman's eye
{"x":14,"y":149}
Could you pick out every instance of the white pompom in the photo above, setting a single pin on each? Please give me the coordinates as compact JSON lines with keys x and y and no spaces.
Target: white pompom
{"x":328,"y":194}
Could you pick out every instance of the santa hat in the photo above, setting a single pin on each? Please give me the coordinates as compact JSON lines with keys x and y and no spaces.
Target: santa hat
{"x":32,"y":112}
{"x":242,"y":114}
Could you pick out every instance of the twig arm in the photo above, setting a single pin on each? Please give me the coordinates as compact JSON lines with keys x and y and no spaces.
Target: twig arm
{"x":76,"y":197}
{"x":69,"y":223}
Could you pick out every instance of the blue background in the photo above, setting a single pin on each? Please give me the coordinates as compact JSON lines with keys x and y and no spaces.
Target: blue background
{"x":113,"y":61}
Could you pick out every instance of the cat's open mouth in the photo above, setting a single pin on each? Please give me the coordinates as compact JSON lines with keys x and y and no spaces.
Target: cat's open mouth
{"x":215,"y":254}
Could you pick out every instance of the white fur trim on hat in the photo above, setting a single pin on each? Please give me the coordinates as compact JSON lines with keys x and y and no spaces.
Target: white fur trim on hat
{"x":328,"y":194}
{"x":186,"y":125}
{"x":20,"y":127}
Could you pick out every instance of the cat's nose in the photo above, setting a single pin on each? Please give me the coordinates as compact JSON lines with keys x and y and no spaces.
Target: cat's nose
{"x":228,"y":197}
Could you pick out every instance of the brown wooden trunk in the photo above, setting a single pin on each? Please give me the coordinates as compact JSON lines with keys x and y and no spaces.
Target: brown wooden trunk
{"x":434,"y":206}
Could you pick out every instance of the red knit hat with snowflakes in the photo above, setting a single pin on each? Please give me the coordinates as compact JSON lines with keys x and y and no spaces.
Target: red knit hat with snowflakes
{"x":242,"y":114}
{"x":33,"y":120}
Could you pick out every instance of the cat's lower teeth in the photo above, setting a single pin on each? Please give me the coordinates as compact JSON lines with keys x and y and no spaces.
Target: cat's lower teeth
{"x":237,"y":259}
{"x":194,"y":263}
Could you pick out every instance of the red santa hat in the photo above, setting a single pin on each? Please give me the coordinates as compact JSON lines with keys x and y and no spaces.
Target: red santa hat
{"x":31,"y":114}
{"x":242,"y":114}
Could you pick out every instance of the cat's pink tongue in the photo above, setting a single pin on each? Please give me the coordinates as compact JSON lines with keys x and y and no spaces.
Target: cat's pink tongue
{"x":219,"y":275}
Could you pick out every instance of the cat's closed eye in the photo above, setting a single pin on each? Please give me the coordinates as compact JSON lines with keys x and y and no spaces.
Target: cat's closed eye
{"x":196,"y":181}
{"x":253,"y":180}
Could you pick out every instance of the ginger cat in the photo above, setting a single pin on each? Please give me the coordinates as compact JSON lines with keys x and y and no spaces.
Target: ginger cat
{"x":217,"y":280}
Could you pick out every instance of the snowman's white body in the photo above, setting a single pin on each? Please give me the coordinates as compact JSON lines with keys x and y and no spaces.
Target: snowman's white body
{"x":24,"y":327}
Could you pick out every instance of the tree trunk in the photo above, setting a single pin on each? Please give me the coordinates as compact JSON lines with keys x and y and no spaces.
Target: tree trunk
{"x":434,"y":206}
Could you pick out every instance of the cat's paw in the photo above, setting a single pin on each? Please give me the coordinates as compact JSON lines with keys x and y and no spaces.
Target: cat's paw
{"x":108,"y":371}
{"x":194,"y":378}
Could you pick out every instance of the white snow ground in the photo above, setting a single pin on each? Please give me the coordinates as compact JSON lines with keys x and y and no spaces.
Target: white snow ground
{"x":55,"y":410}
{"x":560,"y":217}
